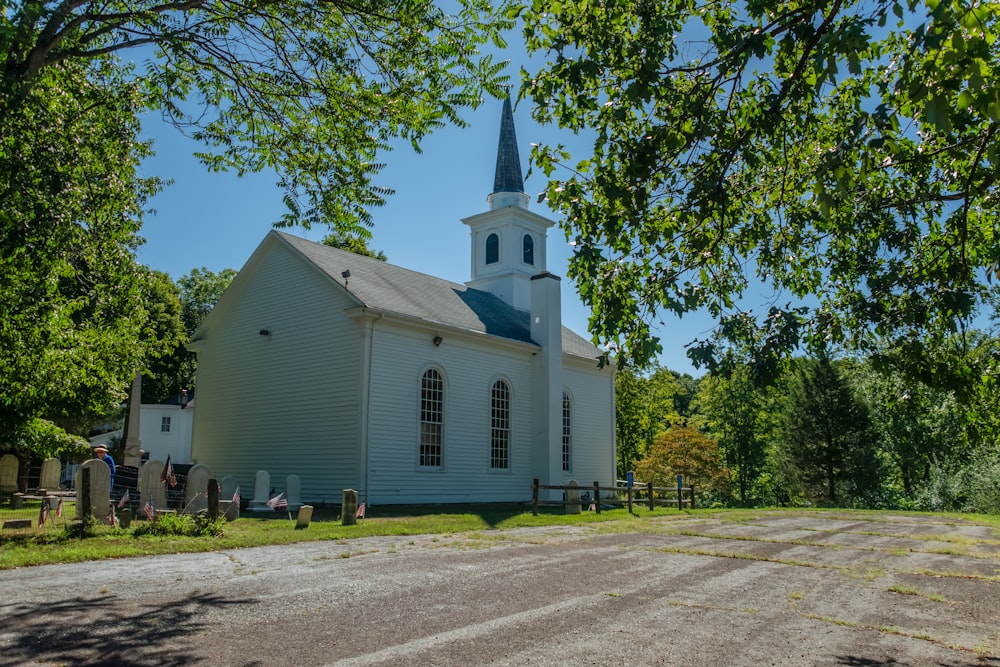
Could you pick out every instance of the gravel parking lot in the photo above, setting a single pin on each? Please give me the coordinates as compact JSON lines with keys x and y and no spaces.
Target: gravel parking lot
{"x":774,"y":588}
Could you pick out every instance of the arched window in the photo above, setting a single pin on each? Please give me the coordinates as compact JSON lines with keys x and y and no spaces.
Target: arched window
{"x":528,"y":250}
{"x":431,"y":418}
{"x":567,"y":433}
{"x":492,"y":249}
{"x":500,"y":426}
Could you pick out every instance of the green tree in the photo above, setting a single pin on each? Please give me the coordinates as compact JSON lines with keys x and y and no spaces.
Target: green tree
{"x":826,"y":439}
{"x":180,"y":309}
{"x":738,"y":414}
{"x":842,"y":154}
{"x":917,"y":426}
{"x":643,"y":409}
{"x":71,"y":292}
{"x":167,"y":368}
{"x":200,"y":290}
{"x":353,"y":243}
{"x":316,"y":91}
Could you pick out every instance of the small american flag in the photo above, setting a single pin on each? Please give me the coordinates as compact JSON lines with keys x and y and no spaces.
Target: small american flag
{"x":112,"y":518}
{"x":278,"y":502}
{"x":236,"y":496}
{"x":121,"y":503}
{"x":168,"y":474}
{"x":360,"y":514}
{"x":59,"y":507}
{"x":43,"y":513}
{"x":148,"y":510}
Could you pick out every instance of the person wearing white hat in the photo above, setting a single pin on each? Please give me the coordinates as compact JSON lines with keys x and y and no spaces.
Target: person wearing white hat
{"x":101,"y":452}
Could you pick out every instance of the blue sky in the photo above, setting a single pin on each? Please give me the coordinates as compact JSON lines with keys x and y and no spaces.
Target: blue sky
{"x":215,"y":220}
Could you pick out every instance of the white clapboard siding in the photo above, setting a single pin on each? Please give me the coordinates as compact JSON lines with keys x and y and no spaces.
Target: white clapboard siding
{"x":593,"y":421}
{"x":287,"y":402}
{"x":470,"y":366}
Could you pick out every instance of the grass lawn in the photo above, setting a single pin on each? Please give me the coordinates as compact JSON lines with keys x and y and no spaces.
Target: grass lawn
{"x":251,"y":530}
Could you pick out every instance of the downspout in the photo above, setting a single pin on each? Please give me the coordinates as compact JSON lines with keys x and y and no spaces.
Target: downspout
{"x":366,"y":382}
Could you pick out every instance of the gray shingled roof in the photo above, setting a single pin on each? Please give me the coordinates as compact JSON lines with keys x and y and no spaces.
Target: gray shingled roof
{"x":392,"y":289}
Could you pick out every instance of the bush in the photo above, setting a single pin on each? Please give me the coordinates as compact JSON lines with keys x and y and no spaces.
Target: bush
{"x":185,"y":525}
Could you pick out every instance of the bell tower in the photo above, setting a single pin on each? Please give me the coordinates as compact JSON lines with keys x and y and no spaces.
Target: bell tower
{"x":508,"y":240}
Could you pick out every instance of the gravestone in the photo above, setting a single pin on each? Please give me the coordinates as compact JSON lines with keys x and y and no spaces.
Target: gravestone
{"x":227,"y":491}
{"x":151,"y":489}
{"x":261,"y":492}
{"x":573,"y":498}
{"x":304,"y":517}
{"x":293,"y":492}
{"x":48,"y":479}
{"x":196,"y":489}
{"x":349,"y":508}
{"x":8,"y":473}
{"x":100,"y":490}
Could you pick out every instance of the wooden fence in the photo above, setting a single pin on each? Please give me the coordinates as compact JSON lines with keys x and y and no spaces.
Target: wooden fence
{"x":638,"y":494}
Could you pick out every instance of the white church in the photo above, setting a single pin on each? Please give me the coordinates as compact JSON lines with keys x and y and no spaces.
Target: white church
{"x":353,"y":373}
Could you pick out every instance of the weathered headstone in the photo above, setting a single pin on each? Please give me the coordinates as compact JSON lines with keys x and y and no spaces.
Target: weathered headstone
{"x":304,"y":517}
{"x":573,"y":498}
{"x":349,"y":508}
{"x":8,"y":473}
{"x":100,"y":490}
{"x":151,"y":489}
{"x":196,"y":490}
{"x":48,"y":479}
{"x":227,"y":489}
{"x":293,"y":492}
{"x":125,"y":517}
{"x":261,"y":492}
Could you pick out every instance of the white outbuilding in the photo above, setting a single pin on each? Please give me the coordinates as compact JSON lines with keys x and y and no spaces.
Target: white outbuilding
{"x":354,"y":373}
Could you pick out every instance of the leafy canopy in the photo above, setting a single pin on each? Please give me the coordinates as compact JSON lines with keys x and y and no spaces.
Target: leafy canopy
{"x":838,"y":155}
{"x":313,"y":90}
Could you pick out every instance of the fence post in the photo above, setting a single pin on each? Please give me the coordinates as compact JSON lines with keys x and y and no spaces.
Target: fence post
{"x":534,"y":497}
{"x":692,"y":496}
{"x":629,"y":492}
{"x":680,"y":493}
{"x":597,"y":497}
{"x":649,"y":490}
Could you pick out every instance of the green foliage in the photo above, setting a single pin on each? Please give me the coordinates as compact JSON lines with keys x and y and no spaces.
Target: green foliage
{"x":841,"y":154}
{"x":198,"y":525}
{"x":315,"y":91}
{"x":38,"y":438}
{"x":358,"y":244}
{"x":168,"y":366}
{"x":200,"y":290}
{"x":312,"y":89}
{"x":81,"y":529}
{"x":918,"y":427}
{"x":740,"y":416}
{"x":643,"y":409}
{"x":827,"y":447}
{"x":71,"y":293}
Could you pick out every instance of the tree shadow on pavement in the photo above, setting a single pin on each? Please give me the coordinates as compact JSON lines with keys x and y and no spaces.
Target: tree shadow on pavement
{"x":97,"y":631}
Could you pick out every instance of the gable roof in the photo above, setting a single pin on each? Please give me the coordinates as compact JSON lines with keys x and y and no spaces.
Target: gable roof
{"x":389,"y":288}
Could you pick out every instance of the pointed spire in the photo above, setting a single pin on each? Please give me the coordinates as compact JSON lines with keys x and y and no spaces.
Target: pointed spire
{"x":508,"y":175}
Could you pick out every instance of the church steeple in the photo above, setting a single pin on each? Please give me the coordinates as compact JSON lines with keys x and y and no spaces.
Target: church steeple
{"x":508,"y":241}
{"x":508,"y":183}
{"x":508,"y":175}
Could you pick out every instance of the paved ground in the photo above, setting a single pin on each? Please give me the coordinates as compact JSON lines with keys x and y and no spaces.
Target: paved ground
{"x":778,"y":589}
